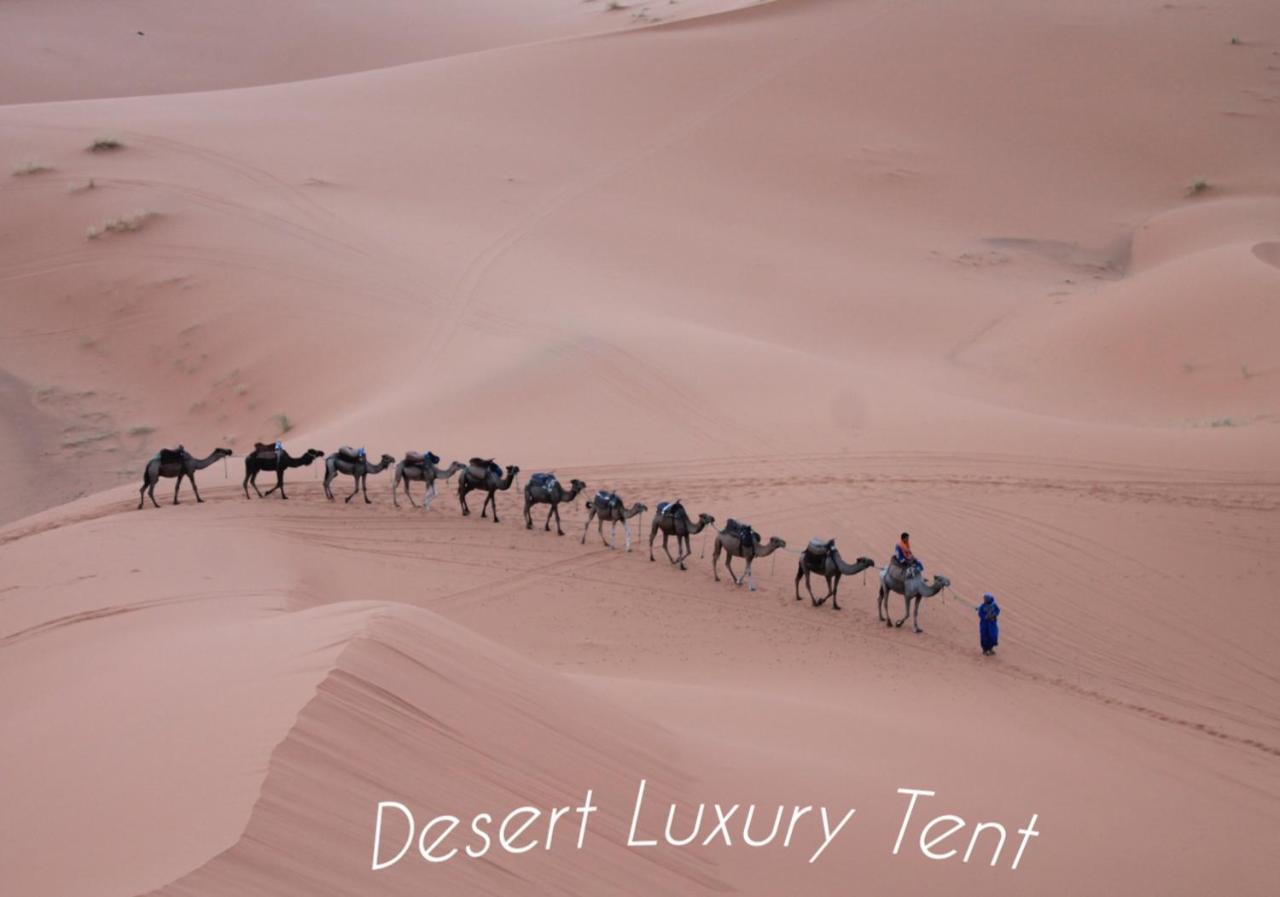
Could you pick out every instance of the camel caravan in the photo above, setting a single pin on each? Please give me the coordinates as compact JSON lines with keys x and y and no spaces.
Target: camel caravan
{"x":903,"y":575}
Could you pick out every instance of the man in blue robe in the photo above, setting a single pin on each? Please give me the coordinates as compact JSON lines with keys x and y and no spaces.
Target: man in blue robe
{"x":988,"y":625}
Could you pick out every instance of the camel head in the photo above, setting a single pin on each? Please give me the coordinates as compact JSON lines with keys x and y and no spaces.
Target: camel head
{"x":431,"y":458}
{"x":512,"y":470}
{"x":311,"y":455}
{"x":387,"y":460}
{"x":940,"y":582}
{"x":577,"y":485}
{"x":776,"y":542}
{"x":639,"y":507}
{"x":866,"y":562}
{"x":706,"y":519}
{"x":222,"y":452}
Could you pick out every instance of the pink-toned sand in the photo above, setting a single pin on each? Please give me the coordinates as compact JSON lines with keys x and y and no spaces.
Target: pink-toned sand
{"x":837,"y":268}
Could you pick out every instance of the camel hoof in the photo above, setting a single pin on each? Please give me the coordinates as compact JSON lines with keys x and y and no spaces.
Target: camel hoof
{"x":919,"y":631}
{"x":528,"y":526}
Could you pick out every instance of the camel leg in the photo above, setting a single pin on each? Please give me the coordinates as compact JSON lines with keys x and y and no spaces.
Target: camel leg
{"x":176,"y":486}
{"x":364,"y":487}
{"x":248,"y":475}
{"x":546,"y":527}
{"x":484,"y":505}
{"x":462,"y":500}
{"x":600,"y":532}
{"x":833,"y":586}
{"x":715,"y":560}
{"x":613,"y":534}
{"x":395,"y":488}
{"x":800,"y":574}
{"x":493,"y":503}
{"x":684,"y":550}
{"x":728,"y":565}
{"x":626,"y":535}
{"x":142,"y":493}
{"x":882,"y":606}
{"x":429,"y":497}
{"x":356,"y":490}
{"x":750,"y":580}
{"x":915,"y":618}
{"x":279,"y":484}
{"x":528,"y":516}
{"x":192,"y":478}
{"x":653,"y":534}
{"x":678,"y":561}
{"x":591,"y":514}
{"x":906,"y":610}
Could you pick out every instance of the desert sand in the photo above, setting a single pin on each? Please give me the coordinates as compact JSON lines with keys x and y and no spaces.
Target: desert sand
{"x":1004,"y":275}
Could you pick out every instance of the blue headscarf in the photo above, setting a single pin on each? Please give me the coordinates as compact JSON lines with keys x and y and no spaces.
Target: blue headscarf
{"x":988,"y":609}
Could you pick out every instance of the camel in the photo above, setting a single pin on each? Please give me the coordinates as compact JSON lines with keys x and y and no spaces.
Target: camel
{"x":740,"y":540}
{"x":484,"y":474}
{"x":356,"y":465}
{"x":174,"y":463}
{"x":824,"y":557}
{"x":265,"y":457}
{"x":421,"y":467}
{"x":545,"y":489}
{"x":913,"y":588}
{"x":673,"y":520}
{"x":610,"y":506}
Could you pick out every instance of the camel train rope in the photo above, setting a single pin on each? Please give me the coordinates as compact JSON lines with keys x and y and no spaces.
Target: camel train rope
{"x":736,"y":539}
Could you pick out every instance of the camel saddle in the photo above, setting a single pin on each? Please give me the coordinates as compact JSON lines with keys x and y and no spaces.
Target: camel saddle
{"x":267,"y":451}
{"x":420,"y":459}
{"x":742,"y":532}
{"x":173,"y":456}
{"x":347,"y":453}
{"x":606,"y":500}
{"x":546,"y":481}
{"x":898,"y":573}
{"x":482,"y":467}
{"x":671,"y":509}
{"x":818,"y":549}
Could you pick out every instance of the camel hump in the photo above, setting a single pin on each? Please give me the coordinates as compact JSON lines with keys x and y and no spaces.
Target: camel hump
{"x":419,"y":459}
{"x":171,"y":455}
{"x":350,"y":454}
{"x":544,"y":480}
{"x":670,"y":508}
{"x":741,"y":531}
{"x":606,"y":499}
{"x":821,"y":547}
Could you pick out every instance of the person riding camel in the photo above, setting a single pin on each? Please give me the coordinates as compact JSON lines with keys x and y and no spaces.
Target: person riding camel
{"x":904,"y":558}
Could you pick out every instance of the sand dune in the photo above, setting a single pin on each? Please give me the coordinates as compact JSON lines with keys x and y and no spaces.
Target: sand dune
{"x":839,"y":269}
